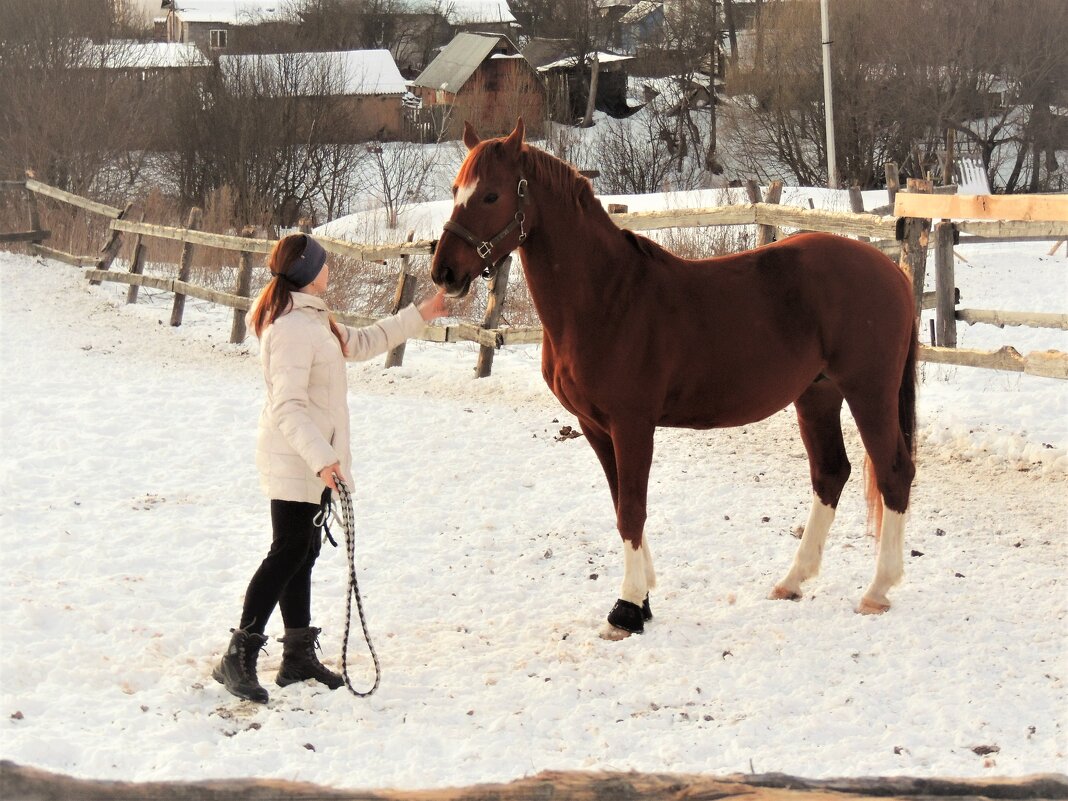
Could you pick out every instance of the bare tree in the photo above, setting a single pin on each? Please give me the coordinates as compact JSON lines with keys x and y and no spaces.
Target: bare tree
{"x":401,"y":172}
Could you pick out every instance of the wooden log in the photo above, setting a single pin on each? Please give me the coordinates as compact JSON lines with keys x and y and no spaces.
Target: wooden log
{"x":1053,"y":249}
{"x":184,"y":267}
{"x":498,"y":290}
{"x":62,"y":255}
{"x":26,"y":236}
{"x":1049,"y":364}
{"x":945,"y":321}
{"x":914,"y":236}
{"x":1016,"y":229}
{"x":742,"y":214}
{"x":21,"y":783}
{"x":403,"y":295}
{"x":33,"y":213}
{"x":752,"y":189}
{"x":71,"y":199}
{"x":242,"y":289}
{"x":856,"y":204}
{"x":1004,"y":318}
{"x":835,"y":222}
{"x":617,"y":208}
{"x":137,"y":264}
{"x":1050,"y":208}
{"x":112,"y":246}
{"x":195,"y":237}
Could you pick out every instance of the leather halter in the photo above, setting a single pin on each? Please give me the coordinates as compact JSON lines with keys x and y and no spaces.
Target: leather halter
{"x":484,"y":247}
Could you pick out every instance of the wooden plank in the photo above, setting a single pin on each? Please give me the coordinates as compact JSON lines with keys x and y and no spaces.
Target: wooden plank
{"x":835,"y":222}
{"x":194,"y":237}
{"x":12,"y":185}
{"x":742,"y":214}
{"x":1014,"y":229}
{"x":23,"y":782}
{"x":402,"y":297}
{"x":1004,"y":318}
{"x":26,"y":236}
{"x":498,"y":290}
{"x":1052,"y":208}
{"x":1049,"y":364}
{"x":915,"y":237}
{"x":945,"y":320}
{"x":63,"y":256}
{"x":364,"y":252}
{"x":243,"y":289}
{"x":102,"y":209}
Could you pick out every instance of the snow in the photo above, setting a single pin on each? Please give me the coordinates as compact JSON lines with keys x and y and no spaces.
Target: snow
{"x":234,"y":12}
{"x":131,"y":521}
{"x":346,"y":72}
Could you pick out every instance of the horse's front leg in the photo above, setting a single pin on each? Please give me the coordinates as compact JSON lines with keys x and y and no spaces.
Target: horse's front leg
{"x":633,"y":450}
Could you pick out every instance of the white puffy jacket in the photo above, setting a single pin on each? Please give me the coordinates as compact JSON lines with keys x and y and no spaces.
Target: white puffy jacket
{"x":304,"y":425}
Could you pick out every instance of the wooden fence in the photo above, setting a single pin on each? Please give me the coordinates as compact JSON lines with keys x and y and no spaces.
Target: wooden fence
{"x":906,"y":234}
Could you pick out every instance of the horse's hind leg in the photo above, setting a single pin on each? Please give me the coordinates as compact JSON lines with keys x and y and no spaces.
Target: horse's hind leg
{"x":819,"y":418}
{"x":893,"y":467}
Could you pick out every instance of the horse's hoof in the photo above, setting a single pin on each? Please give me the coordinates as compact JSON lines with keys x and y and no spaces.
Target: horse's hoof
{"x":869,"y":607}
{"x":627,"y":616}
{"x":647,"y":611}
{"x":780,"y":593}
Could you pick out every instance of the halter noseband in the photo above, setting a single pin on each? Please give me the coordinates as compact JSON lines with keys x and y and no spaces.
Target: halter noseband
{"x":485,"y":247}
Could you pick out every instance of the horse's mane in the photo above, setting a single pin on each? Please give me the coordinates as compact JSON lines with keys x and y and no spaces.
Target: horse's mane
{"x":559,"y":177}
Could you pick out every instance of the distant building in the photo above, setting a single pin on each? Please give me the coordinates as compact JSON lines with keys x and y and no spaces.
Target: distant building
{"x":483,"y":79}
{"x":361,"y":91}
{"x":568,"y":84}
{"x":218,"y":26}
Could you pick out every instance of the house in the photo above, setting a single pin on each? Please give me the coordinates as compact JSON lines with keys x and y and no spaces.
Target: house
{"x":219,"y":26}
{"x":481,"y":16}
{"x":484,"y":79}
{"x":568,"y":85}
{"x":361,"y":92}
{"x":640,"y":26}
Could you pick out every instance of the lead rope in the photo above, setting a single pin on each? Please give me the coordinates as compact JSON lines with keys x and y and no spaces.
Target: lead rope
{"x":347,"y":522}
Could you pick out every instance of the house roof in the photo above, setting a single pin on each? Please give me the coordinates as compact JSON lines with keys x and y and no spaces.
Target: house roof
{"x":459,"y":59}
{"x":571,"y":61}
{"x":640,"y":11}
{"x":234,"y":12}
{"x":125,"y":54}
{"x":349,"y":72}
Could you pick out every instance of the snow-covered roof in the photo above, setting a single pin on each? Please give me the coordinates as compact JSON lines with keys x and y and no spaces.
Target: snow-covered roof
{"x":149,"y":55}
{"x":602,"y":58}
{"x":640,"y":11}
{"x":348,"y":72}
{"x":235,"y":12}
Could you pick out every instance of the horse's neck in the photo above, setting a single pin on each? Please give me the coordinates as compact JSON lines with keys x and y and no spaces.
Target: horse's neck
{"x":568,"y":265}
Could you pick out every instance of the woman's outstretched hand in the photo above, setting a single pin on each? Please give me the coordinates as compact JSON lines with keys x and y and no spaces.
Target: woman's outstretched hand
{"x":327,"y":475}
{"x":433,"y":307}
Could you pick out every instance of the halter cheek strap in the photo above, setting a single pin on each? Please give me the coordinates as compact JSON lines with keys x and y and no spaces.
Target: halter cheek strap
{"x":484,"y":247}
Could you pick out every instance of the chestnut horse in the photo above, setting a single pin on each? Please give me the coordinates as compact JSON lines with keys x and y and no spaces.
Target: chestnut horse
{"x":636,"y":337}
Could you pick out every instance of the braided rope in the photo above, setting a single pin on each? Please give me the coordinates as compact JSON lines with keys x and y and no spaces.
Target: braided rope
{"x":348,"y":522}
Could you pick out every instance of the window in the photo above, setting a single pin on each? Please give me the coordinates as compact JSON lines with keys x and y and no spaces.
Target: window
{"x":218,"y":39}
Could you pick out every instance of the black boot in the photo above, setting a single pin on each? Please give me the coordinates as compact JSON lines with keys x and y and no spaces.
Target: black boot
{"x":237,"y":670}
{"x":299,"y":661}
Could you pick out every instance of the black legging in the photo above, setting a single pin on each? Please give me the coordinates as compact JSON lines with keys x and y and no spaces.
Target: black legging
{"x":283,"y":579}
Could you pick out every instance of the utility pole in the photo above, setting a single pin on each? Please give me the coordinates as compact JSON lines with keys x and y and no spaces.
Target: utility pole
{"x":828,"y":105}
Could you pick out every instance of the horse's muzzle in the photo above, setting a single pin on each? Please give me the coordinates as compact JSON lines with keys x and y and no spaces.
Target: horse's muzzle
{"x":455,"y":286}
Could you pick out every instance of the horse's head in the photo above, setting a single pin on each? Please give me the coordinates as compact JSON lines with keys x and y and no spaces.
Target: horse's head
{"x":491,"y":215}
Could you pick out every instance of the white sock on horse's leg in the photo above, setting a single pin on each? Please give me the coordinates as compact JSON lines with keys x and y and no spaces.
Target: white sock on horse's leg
{"x":889,"y":564}
{"x":635,"y":586}
{"x":647,"y":555}
{"x":809,"y":554}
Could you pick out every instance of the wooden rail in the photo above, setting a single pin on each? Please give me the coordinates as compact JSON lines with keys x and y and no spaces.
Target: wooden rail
{"x":886,"y":232}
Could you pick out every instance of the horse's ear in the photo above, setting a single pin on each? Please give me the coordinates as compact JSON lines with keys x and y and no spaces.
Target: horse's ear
{"x":514,"y":141}
{"x":470,"y":136}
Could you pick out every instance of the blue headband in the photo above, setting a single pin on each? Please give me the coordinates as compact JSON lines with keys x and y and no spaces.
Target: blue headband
{"x":305,"y":267}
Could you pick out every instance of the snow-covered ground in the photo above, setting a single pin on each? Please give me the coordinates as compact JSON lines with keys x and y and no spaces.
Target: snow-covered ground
{"x":131,"y":520}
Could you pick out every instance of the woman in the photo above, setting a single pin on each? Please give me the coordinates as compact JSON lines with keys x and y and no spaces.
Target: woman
{"x":303,"y":445}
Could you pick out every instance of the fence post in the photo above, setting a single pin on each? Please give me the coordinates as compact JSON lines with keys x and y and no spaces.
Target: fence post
{"x":914,"y":235}
{"x":856,"y":205}
{"x":498,"y":288}
{"x":34,"y":211}
{"x":185,"y":266}
{"x":401,"y":298}
{"x":893,"y":181}
{"x":243,"y":289}
{"x":111,"y":248}
{"x":766,"y":234}
{"x":137,"y":264}
{"x":945,"y":311}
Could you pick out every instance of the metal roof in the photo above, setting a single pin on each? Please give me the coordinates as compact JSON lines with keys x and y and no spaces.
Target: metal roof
{"x":459,"y":59}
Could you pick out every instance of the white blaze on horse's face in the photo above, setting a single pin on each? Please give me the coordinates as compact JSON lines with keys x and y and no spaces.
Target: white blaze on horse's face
{"x":464,"y":193}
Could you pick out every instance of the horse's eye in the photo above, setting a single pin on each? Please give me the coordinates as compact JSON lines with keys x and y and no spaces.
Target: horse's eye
{"x":490,"y":198}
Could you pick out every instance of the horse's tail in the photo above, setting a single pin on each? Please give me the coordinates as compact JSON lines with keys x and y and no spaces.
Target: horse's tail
{"x":906,"y":418}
